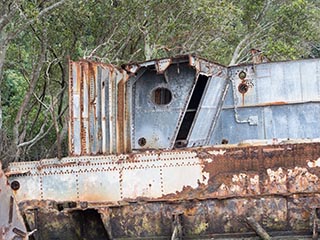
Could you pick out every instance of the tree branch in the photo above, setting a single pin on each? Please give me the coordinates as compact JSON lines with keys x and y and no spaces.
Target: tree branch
{"x":34,"y":79}
{"x":236,"y":53}
{"x":39,"y":136}
{"x":41,"y":14}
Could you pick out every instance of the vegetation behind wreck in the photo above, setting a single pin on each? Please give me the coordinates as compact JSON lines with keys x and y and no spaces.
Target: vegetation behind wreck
{"x":37,"y":37}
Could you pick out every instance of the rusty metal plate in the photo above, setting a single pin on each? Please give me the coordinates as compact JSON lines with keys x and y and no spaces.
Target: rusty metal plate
{"x":96,"y":123}
{"x":113,"y":113}
{"x":194,"y":173}
{"x":212,"y":188}
{"x":108,"y":178}
{"x":11,"y":222}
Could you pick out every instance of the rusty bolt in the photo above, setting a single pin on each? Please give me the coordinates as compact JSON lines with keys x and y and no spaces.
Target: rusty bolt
{"x":142,"y":141}
{"x":15,"y":185}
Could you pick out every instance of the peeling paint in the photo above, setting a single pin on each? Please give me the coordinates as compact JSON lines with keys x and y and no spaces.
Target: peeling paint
{"x":313,"y":164}
{"x":220,"y":152}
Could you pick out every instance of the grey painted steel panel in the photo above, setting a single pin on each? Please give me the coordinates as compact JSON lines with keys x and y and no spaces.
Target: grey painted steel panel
{"x":58,"y":181}
{"x":85,"y":113}
{"x":98,"y":110}
{"x":109,"y":178}
{"x":209,"y":110}
{"x":279,"y":81}
{"x":286,"y":121}
{"x":75,"y":119}
{"x":105,"y":111}
{"x":158,"y":123}
{"x":282,"y":103}
{"x":95,"y":186}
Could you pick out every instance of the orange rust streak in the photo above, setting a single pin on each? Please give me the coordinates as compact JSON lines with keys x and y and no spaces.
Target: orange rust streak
{"x":255,"y":171}
{"x":273,"y":103}
{"x":278,"y":103}
{"x":82,"y":133}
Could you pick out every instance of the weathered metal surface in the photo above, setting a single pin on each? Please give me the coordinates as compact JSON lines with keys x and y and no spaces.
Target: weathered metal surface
{"x":11,"y":222}
{"x":152,"y":109}
{"x":97,"y":121}
{"x":112,"y":113}
{"x":158,"y":192}
{"x":281,"y":97}
{"x":209,"y":110}
{"x":158,"y":124}
{"x":213,"y":189}
{"x":110,"y":178}
{"x":115,"y":178}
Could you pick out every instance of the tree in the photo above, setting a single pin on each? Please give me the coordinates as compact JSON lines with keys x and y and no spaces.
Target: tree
{"x":15,"y":17}
{"x":282,"y":29}
{"x":36,"y":37}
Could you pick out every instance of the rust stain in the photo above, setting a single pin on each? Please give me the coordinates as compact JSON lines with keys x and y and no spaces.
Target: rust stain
{"x":81,"y":91}
{"x":267,"y":104}
{"x":71,"y":122}
{"x":273,"y":104}
{"x":255,"y":170}
{"x":121,"y":148}
{"x":278,"y":185}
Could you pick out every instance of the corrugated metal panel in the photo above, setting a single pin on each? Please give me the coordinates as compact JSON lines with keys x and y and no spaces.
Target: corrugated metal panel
{"x":96,"y":112}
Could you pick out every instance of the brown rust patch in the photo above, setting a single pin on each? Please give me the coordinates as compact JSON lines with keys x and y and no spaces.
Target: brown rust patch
{"x":275,"y":184}
{"x":202,"y":218}
{"x":273,"y":103}
{"x":122,"y":140}
{"x":255,"y":170}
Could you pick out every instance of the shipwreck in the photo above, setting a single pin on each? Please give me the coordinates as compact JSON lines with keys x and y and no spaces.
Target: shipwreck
{"x":177,"y":148}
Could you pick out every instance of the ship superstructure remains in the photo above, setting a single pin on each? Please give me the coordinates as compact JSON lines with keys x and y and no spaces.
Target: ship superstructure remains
{"x":159,"y":104}
{"x":176,"y":102}
{"x":181,"y":147}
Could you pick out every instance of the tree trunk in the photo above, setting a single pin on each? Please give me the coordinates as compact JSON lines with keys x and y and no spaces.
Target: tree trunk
{"x":33,"y":82}
{"x":3,"y":50}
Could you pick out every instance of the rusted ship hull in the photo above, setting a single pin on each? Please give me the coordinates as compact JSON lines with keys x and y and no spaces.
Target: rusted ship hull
{"x":138,"y":168}
{"x":275,"y":184}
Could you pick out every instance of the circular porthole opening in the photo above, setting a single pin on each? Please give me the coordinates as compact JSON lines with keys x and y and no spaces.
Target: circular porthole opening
{"x":161,"y":96}
{"x":242,"y":75}
{"x":243,"y":88}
